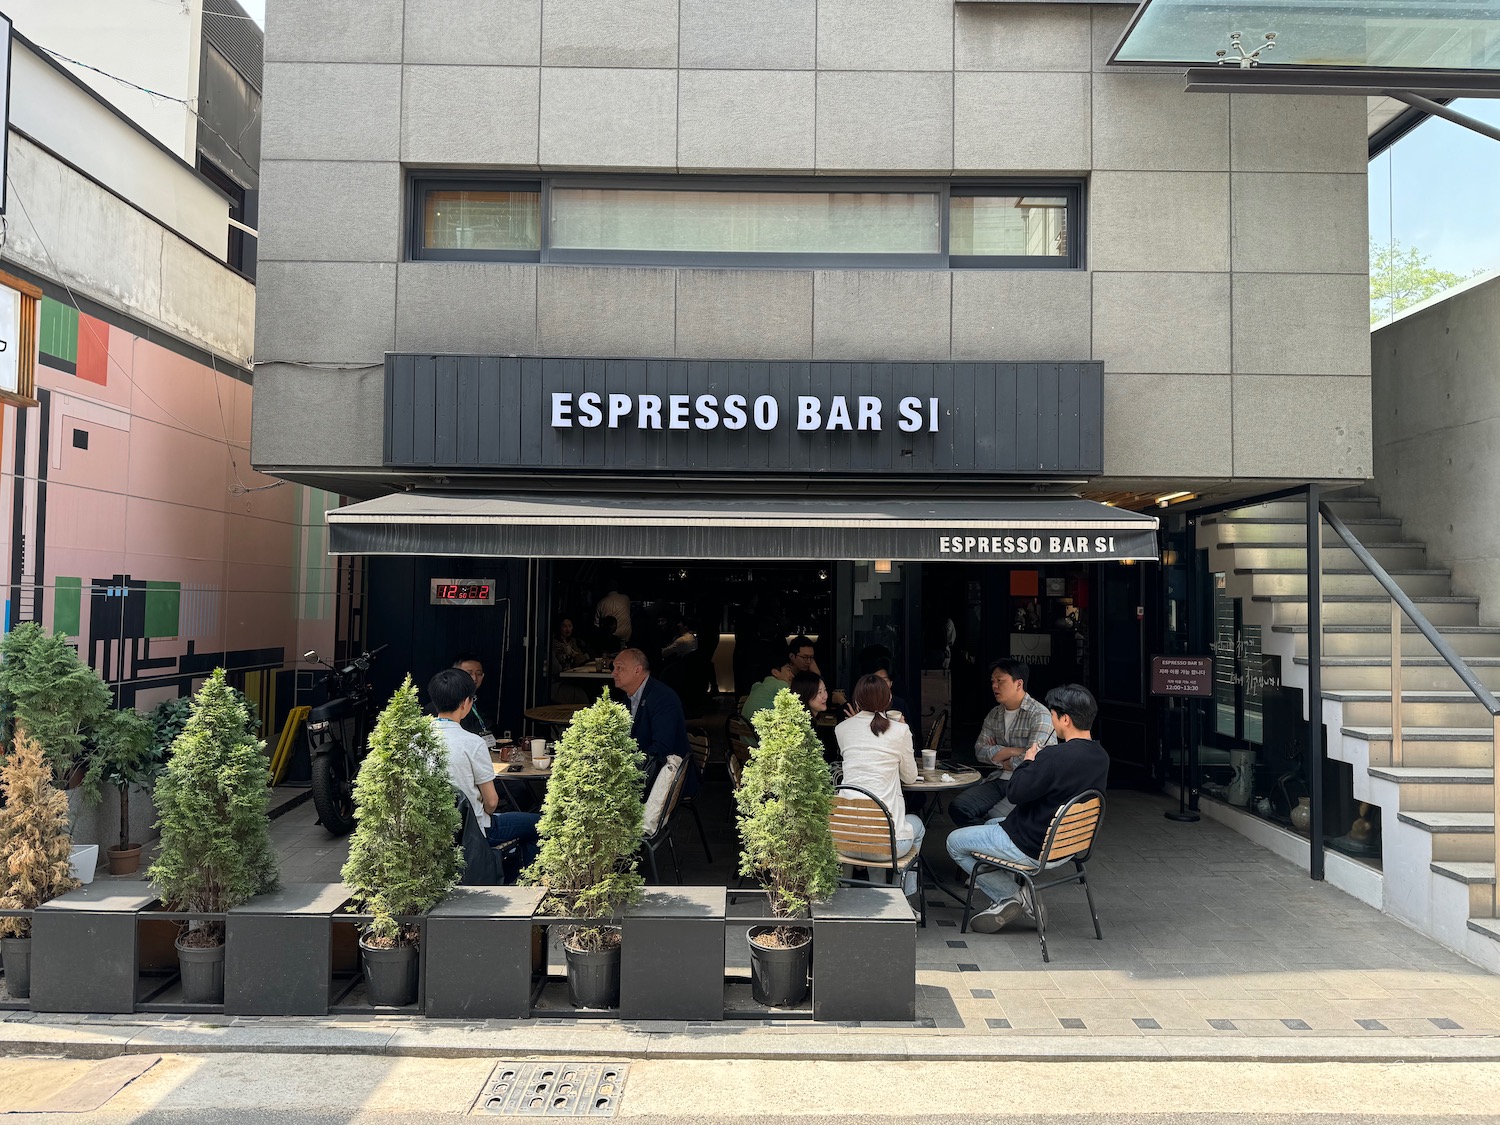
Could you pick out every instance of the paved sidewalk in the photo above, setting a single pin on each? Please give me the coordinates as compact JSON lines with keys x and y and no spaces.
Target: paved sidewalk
{"x":1213,"y":948}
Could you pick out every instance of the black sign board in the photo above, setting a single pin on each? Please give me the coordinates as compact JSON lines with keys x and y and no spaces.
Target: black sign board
{"x":720,"y":417}
{"x":1182,"y":676}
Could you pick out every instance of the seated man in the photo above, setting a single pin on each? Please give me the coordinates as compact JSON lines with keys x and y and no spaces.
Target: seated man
{"x":471,"y":772}
{"x":780,"y":670}
{"x":474,"y":722}
{"x":1045,"y":780}
{"x":803,"y":653}
{"x":656,"y":720}
{"x":1017,"y":722}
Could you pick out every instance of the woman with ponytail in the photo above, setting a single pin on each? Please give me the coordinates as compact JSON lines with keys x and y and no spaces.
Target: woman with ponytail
{"x":876,"y":746}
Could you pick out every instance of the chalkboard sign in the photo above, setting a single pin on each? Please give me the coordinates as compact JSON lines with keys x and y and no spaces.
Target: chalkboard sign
{"x":1182,"y":675}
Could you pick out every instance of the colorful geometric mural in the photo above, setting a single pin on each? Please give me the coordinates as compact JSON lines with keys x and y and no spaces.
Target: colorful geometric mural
{"x":131,"y":521}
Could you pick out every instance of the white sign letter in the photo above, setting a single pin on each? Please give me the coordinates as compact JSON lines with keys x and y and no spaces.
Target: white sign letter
{"x":766,"y":413}
{"x":869,"y":413}
{"x":809,"y":412}
{"x":562,"y":407}
{"x":734,"y":412}
{"x":589,"y":415}
{"x":650,"y":408}
{"x":838,"y":414}
{"x":911,"y":415}
{"x":619,"y":407}
{"x":708,"y":413}
{"x":677,"y":405}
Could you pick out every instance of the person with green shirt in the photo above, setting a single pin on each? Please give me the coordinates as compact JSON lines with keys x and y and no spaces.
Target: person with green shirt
{"x":763,"y":694}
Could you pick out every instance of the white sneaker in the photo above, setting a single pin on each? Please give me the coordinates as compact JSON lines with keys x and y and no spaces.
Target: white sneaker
{"x":909,"y":883}
{"x":997,"y":917}
{"x":1033,"y":906}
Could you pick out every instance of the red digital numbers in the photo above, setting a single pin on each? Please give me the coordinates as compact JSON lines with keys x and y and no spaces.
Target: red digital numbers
{"x":455,"y":592}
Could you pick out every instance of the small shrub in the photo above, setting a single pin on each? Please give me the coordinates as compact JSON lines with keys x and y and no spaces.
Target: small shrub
{"x":34,"y":840}
{"x":591,"y":821}
{"x":46,"y":689}
{"x":215,"y":841}
{"x":785,"y":798}
{"x":402,"y":858}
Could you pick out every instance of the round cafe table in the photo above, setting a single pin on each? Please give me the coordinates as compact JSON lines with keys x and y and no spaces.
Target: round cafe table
{"x":527,"y":772}
{"x":554,"y":714}
{"x":931,"y":781}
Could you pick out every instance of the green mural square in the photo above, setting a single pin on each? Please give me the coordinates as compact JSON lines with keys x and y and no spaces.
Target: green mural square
{"x":58,"y":330}
{"x":67,"y":606}
{"x":163,"y":609}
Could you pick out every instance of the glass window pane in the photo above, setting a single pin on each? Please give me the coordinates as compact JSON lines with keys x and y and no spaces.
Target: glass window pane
{"x":464,"y":219}
{"x":746,"y":222}
{"x":1013,"y":226}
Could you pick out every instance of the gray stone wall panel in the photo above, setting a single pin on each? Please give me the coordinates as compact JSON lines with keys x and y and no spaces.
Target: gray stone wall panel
{"x":474,"y":307}
{"x":733,"y":34}
{"x":476,"y":32}
{"x":609,"y":33}
{"x":606,"y":311}
{"x":331,"y":112}
{"x":329,"y":211}
{"x":609,"y":119}
{"x":885,"y":122}
{"x":1294,"y":223}
{"x":1020,"y":123}
{"x":1021,"y":315}
{"x":744,"y":314}
{"x":1301,"y":324}
{"x":318,"y":419}
{"x":881,"y":314}
{"x":325,"y":312}
{"x":1296,"y":133}
{"x":1145,"y":425}
{"x":885,"y":35}
{"x":1144,"y":122}
{"x":1308,"y":426}
{"x":1166,"y":221}
{"x":1162,"y":323}
{"x":1021,"y":37}
{"x":746,"y":121}
{"x":351,"y":31}
{"x":468,"y":115}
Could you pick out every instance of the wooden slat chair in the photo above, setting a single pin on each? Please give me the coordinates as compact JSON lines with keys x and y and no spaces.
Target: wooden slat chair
{"x":935,"y":735}
{"x":1070,"y":836}
{"x":698,"y":744}
{"x":736,"y":775}
{"x":865,"y":836}
{"x":663,"y":834}
{"x":741,"y":734}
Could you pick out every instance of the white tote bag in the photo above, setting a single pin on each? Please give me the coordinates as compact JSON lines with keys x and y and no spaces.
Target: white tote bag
{"x":656,"y":803}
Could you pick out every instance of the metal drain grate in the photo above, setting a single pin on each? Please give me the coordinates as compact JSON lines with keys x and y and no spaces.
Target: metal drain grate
{"x":553,"y":1089}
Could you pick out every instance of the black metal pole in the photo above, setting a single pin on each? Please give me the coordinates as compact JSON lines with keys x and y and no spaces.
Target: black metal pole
{"x":1315,"y":680}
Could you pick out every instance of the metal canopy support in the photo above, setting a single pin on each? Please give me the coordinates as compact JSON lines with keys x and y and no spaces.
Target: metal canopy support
{"x":1367,"y":81}
{"x":1315,"y":681}
{"x":1437,"y":109}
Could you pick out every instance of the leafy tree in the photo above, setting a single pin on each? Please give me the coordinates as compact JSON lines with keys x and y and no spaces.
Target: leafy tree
{"x":34,"y":840}
{"x":45,"y":688}
{"x":592,"y":821}
{"x":785,"y":799}
{"x":215,"y":840}
{"x":1400,"y":277}
{"x":124,"y":755}
{"x":402,"y":858}
{"x":168,"y":718}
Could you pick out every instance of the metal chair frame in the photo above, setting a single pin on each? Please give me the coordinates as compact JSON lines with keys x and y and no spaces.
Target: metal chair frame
{"x":663,"y":833}
{"x":935,"y":735}
{"x":1029,"y":874}
{"x":894,"y":868}
{"x":698,"y":744}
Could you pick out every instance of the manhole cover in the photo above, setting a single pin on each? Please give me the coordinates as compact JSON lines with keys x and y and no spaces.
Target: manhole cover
{"x":553,"y":1089}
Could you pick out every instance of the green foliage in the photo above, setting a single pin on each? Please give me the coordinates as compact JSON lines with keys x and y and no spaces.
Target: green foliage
{"x":45,"y":688}
{"x":168,"y":718}
{"x":34,"y":839}
{"x":1401,"y":277}
{"x":402,"y":858}
{"x":592,"y":818}
{"x":215,"y":842}
{"x":785,"y":799}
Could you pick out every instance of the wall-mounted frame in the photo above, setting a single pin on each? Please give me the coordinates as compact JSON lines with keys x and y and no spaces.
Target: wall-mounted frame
{"x":20,"y":305}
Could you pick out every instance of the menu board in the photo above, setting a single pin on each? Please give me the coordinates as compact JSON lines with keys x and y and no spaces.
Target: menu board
{"x":1226,"y":663}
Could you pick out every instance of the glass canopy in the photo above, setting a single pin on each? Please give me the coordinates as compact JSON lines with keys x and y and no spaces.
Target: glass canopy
{"x":1440,"y":35}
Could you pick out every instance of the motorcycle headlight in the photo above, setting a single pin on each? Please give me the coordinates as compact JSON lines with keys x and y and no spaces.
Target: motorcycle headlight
{"x":317,"y":728}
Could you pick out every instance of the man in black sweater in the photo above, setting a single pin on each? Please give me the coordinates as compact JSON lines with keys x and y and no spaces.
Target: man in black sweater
{"x":1045,"y":780}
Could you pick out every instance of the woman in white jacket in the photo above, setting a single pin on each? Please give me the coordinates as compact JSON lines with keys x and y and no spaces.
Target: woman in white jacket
{"x":879,"y":757}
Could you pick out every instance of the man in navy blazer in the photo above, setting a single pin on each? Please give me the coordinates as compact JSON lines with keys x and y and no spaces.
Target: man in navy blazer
{"x":656,"y":719}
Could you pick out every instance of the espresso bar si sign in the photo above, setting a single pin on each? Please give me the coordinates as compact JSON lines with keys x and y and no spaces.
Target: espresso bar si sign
{"x":1182,"y":676}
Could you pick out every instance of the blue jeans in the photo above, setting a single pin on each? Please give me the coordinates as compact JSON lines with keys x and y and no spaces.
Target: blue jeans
{"x":515,"y":826}
{"x":991,"y":839}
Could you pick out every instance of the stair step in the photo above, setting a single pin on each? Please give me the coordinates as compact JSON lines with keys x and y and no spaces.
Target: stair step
{"x":1405,"y":571}
{"x":1489,"y":927}
{"x":1467,"y":822}
{"x":1423,"y":734}
{"x":1301,"y":544}
{"x":1357,"y":695}
{"x":1406,"y":661}
{"x":1434,"y":775}
{"x":1420,"y":599}
{"x":1298,"y":521}
{"x":1466,"y":871}
{"x":1408,"y":630}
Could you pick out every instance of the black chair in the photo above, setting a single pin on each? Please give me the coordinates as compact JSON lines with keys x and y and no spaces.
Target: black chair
{"x":483,"y":862}
{"x":1070,"y":836}
{"x":663,"y":834}
{"x":698,"y":744}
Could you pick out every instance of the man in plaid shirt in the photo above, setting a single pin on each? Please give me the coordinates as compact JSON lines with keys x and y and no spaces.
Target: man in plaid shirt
{"x":1017,"y":723}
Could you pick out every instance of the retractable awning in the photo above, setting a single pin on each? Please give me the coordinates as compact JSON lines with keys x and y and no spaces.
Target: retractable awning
{"x":1008,"y":529}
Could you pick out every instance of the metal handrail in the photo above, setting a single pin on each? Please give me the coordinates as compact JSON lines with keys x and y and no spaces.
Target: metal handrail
{"x":1401,"y":598}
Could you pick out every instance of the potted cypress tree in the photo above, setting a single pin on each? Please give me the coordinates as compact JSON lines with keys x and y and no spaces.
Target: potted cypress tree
{"x":785,"y":799}
{"x":215,"y":842}
{"x":125,"y":756}
{"x":402,"y":856}
{"x":34,"y":852}
{"x":54,"y":695}
{"x":591,"y":840}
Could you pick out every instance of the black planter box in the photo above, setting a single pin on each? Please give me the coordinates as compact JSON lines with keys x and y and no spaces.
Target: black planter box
{"x":83,"y":950}
{"x":481,"y":954}
{"x":278,"y":952}
{"x":864,"y":956}
{"x":672,"y":956}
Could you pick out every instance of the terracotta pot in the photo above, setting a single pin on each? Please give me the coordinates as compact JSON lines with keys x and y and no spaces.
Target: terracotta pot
{"x":124,"y":861}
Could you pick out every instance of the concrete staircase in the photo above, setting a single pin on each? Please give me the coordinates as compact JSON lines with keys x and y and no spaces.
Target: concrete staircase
{"x":1438,"y":800}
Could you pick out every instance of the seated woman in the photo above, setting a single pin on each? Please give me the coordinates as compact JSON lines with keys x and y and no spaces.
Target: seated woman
{"x":567,"y":649}
{"x":878,"y":758}
{"x":813,"y":692}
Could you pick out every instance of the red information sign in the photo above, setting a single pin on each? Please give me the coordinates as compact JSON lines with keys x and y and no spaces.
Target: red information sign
{"x":1182,"y":675}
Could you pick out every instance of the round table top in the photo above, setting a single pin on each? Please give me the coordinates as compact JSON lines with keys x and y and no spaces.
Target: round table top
{"x":554,"y":714}
{"x":931,"y":781}
{"x":527,"y":772}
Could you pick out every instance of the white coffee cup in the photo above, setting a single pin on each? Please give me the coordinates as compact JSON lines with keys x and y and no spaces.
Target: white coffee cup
{"x":538,"y":748}
{"x":894,"y":716}
{"x":929,"y":759}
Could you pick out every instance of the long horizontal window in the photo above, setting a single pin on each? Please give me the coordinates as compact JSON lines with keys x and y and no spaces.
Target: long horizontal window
{"x":932,"y":225}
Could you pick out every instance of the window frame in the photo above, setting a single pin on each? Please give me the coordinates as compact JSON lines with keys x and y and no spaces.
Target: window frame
{"x":1071,"y":188}
{"x":422,"y":184}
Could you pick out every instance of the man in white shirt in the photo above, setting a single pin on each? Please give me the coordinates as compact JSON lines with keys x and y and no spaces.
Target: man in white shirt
{"x":471,"y":771}
{"x":1017,"y":723}
{"x":615,"y":605}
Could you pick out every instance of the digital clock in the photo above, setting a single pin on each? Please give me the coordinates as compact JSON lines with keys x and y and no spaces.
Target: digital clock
{"x":462,"y":591}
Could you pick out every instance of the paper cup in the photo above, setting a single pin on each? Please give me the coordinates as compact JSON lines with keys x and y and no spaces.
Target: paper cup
{"x":929,"y":760}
